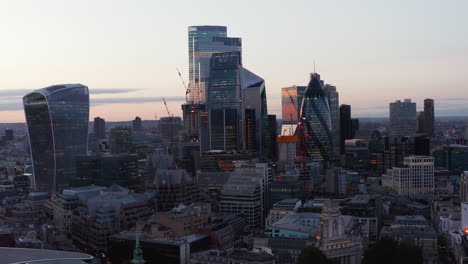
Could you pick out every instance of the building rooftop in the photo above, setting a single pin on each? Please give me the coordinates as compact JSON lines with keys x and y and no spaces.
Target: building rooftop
{"x":360,"y":199}
{"x":297,"y":222}
{"x":178,"y":176}
{"x":289,"y":201}
{"x":28,"y":255}
{"x":176,"y":241}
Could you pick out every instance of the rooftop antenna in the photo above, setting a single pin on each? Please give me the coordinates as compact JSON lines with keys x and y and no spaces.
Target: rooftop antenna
{"x":314,"y":66}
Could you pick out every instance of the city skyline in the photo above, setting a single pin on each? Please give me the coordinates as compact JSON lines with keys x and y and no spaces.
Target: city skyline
{"x":130,"y":63}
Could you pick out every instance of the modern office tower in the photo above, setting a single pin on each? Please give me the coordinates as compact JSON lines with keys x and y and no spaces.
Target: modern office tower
{"x":346,"y":126}
{"x":397,"y":147}
{"x":403,"y":117}
{"x":99,"y":127}
{"x":244,"y":194}
{"x":204,"y":41}
{"x":170,"y":128}
{"x":9,"y":134}
{"x":137,"y":127}
{"x":464,"y":187}
{"x":422,"y":145}
{"x":57,"y":118}
{"x":105,"y":170}
{"x":376,"y":153}
{"x":428,"y":116}
{"x":334,"y":104}
{"x":355,"y":125}
{"x":287,"y":153}
{"x":192,"y":118}
{"x":121,"y":139}
{"x":414,"y":179}
{"x":316,"y":121}
{"x":237,"y":107}
{"x":291,"y":101}
{"x":272,"y":133}
{"x":453,"y":157}
{"x":420,"y":122}
{"x":357,"y":155}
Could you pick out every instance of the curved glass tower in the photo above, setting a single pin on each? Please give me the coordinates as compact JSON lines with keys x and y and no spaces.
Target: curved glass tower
{"x":57,"y":118}
{"x":316,"y":121}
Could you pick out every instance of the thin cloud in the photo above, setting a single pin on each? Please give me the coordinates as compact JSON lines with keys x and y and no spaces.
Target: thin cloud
{"x":10,"y":93}
{"x":130,"y":100}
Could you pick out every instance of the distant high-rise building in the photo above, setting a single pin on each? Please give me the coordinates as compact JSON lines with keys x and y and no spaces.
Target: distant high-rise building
{"x":316,"y":119}
{"x":272,"y":130}
{"x":355,"y":125}
{"x":397,"y":147}
{"x":403,"y":117}
{"x":415,"y":179}
{"x":137,"y":127}
{"x":453,"y":157}
{"x":334,"y":103}
{"x":291,"y":101}
{"x":9,"y":134}
{"x":121,"y":139}
{"x":376,"y":153}
{"x":57,"y":118}
{"x":192,"y":117}
{"x":170,"y":127}
{"x":99,"y":127}
{"x":421,"y":122}
{"x":105,"y":170}
{"x":346,"y":126}
{"x":204,"y":41}
{"x":236,"y":106}
{"x":428,"y":116}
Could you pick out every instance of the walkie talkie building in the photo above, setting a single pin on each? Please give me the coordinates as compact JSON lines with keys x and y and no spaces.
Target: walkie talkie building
{"x":316,"y":121}
{"x":57,"y":118}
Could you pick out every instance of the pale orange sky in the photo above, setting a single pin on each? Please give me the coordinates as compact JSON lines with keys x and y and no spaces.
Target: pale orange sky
{"x":375,"y":52}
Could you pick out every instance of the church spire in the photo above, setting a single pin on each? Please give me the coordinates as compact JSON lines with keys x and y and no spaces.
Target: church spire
{"x":137,"y":252}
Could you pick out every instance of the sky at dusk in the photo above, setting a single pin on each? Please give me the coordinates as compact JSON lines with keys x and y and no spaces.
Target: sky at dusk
{"x":127,"y":52}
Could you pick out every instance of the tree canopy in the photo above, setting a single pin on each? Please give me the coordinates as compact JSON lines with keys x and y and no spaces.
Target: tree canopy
{"x":312,"y":254}
{"x":389,"y":251}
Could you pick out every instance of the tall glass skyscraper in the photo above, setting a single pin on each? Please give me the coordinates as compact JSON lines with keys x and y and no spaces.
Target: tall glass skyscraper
{"x":403,"y":117}
{"x":316,"y":121}
{"x":236,"y":105}
{"x":291,"y":100}
{"x":204,"y":41}
{"x":57,"y":118}
{"x":334,"y":104}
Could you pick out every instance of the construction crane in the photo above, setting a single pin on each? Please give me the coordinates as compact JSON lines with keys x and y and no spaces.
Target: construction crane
{"x":191,"y":117}
{"x":170,"y":120}
{"x":290,"y":114}
{"x":302,"y":147}
{"x":187,"y":90}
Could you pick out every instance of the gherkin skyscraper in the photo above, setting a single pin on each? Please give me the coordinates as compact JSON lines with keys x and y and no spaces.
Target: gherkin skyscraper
{"x":316,"y":122}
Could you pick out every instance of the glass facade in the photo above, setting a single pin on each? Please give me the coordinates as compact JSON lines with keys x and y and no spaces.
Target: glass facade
{"x":403,"y":117}
{"x":57,"y":119}
{"x":334,"y":104}
{"x":316,"y":121}
{"x":204,"y":41}
{"x":291,"y":109}
{"x":237,"y":107}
